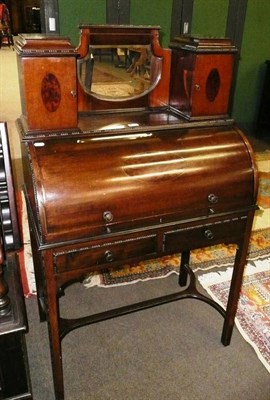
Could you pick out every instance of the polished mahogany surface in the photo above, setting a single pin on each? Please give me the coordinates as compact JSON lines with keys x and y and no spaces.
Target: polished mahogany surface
{"x":154,"y":118}
{"x":110,"y":182}
{"x":117,"y":172}
{"x":147,"y":118}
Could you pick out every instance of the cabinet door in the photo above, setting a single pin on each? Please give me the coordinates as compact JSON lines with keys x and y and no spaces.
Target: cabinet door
{"x":50,"y":93}
{"x":211,"y":84}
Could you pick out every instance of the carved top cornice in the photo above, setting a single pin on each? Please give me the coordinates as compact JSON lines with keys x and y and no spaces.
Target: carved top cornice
{"x":44,"y":45}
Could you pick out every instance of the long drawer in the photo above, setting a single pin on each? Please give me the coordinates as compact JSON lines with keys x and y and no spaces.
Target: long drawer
{"x":204,"y":235}
{"x":111,"y":252}
{"x":105,"y":252}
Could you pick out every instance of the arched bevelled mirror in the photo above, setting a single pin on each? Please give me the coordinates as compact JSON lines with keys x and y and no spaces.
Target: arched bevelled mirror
{"x":117,"y":71}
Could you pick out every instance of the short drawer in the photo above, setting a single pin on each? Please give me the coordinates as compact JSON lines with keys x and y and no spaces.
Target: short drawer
{"x":188,"y":238}
{"x":105,"y":253}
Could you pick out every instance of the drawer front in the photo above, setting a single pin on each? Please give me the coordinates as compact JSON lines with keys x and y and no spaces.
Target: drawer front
{"x":227,"y":231}
{"x":105,"y":253}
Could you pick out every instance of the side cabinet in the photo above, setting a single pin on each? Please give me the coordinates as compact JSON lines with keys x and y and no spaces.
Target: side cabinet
{"x":201,"y":88}
{"x":48,"y":82}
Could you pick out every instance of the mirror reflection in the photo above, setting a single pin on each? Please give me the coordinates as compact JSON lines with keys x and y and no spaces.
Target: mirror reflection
{"x":119,"y":73}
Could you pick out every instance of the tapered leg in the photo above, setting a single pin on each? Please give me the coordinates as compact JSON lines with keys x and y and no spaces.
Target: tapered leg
{"x":53,"y":326}
{"x":236,"y":283}
{"x":234,"y":294}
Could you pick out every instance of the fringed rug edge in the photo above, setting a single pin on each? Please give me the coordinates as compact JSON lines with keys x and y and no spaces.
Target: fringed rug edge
{"x":211,"y":278}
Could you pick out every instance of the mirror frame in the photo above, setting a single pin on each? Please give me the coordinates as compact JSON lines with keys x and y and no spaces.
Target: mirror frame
{"x":92,"y":35}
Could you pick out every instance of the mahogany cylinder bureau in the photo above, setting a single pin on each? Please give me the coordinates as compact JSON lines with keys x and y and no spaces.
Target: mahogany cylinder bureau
{"x":133,"y":180}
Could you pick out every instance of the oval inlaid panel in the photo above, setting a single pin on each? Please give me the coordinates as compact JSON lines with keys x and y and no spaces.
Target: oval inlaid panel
{"x":51,"y":92}
{"x":212,"y":84}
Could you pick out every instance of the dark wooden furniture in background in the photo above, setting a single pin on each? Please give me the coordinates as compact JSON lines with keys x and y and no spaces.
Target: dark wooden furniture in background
{"x":32,"y":18}
{"x":26,"y":15}
{"x":112,"y":181}
{"x":264,"y":111}
{"x":14,"y":371}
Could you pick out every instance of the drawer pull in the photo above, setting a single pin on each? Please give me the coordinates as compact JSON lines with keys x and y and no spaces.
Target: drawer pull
{"x":209,"y":234}
{"x":108,"y":216}
{"x":109,"y":256}
{"x":213,"y":198}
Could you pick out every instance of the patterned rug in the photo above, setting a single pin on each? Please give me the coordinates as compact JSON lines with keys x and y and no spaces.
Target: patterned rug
{"x":253,"y":313}
{"x":264,"y":185}
{"x":263,"y":161}
{"x":113,"y":90}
